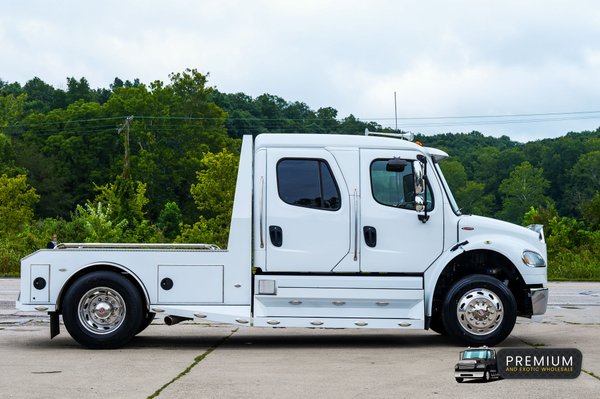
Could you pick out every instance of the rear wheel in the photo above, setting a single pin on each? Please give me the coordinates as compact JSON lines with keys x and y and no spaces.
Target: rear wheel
{"x":147,"y":320}
{"x":479,"y":310}
{"x":102,"y":310}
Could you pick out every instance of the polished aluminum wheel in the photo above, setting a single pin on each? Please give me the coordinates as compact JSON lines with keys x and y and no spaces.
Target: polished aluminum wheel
{"x":480,"y":311}
{"x":101,"y":310}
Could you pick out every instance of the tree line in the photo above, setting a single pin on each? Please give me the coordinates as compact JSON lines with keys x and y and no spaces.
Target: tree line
{"x":554,"y":182}
{"x":65,"y":168}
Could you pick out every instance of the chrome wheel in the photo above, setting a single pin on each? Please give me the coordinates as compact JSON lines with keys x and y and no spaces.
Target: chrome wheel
{"x":480,"y":311}
{"x":101,"y":310}
{"x":486,"y":376}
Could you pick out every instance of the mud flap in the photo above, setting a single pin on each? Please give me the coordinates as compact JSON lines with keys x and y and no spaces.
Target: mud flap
{"x":54,"y":324}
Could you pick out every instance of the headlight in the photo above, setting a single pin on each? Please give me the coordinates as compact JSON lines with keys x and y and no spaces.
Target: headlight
{"x":533,"y":259}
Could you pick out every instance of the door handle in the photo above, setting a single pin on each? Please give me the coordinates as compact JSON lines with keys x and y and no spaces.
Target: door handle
{"x":370,"y":234}
{"x":276,"y":235}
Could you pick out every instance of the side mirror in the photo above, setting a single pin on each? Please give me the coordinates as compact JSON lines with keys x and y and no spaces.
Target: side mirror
{"x":421,"y":188}
{"x":419,"y":177}
{"x":396,"y":165}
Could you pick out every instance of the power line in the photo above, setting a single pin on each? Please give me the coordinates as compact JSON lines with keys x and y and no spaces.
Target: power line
{"x":490,"y":116}
{"x":173,"y":122}
{"x":497,"y":122}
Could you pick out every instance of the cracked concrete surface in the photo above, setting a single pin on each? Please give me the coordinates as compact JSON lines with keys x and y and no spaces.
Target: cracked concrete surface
{"x":283,"y":362}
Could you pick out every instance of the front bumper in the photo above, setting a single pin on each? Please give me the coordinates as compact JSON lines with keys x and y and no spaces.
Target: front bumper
{"x":539,"y":300}
{"x":469,"y":374}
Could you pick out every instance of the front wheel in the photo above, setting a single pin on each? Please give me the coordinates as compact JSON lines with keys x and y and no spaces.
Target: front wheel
{"x":486,"y":376}
{"x":437,"y":325}
{"x":479,"y":310}
{"x":102,"y":310}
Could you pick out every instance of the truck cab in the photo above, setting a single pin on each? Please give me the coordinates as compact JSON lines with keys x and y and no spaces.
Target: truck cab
{"x":369,"y":224}
{"x":330,"y":231}
{"x":478,"y":363}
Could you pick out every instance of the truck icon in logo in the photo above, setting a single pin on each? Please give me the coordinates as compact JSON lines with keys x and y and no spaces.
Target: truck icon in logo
{"x":476,"y":364}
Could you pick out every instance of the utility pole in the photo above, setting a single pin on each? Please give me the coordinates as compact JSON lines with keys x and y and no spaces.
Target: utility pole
{"x":125,"y":126}
{"x":396,"y":111}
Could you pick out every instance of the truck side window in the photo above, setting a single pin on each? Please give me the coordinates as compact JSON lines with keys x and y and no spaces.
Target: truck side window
{"x":307,"y":183}
{"x":396,"y":189}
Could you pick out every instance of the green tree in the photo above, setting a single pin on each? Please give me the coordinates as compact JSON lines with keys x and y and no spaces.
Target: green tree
{"x":213,"y":195}
{"x":7,"y":156}
{"x":166,"y":148}
{"x":585,"y":179}
{"x":455,"y":174}
{"x":17,"y":200}
{"x":50,"y":179}
{"x":96,"y":221}
{"x":170,"y":220}
{"x":12,"y":110}
{"x":327,"y":119}
{"x":353,"y":125}
{"x":525,"y":187}
{"x":42,"y":97}
{"x":591,"y":211}
{"x":472,"y":199}
{"x":78,"y":90}
{"x":124,"y":201}
{"x":125,"y":197}
{"x":487,"y":167}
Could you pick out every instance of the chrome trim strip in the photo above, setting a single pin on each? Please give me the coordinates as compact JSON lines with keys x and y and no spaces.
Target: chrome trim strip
{"x":260,"y":212}
{"x":355,"y":224}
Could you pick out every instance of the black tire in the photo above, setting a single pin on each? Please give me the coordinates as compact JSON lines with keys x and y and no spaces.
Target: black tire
{"x":492,"y":314}
{"x":437,"y":325}
{"x":459,"y":379}
{"x":103,"y":310}
{"x":486,"y":376}
{"x":147,"y":320}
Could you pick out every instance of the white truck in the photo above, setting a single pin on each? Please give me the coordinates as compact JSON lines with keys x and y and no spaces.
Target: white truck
{"x":327,"y":231}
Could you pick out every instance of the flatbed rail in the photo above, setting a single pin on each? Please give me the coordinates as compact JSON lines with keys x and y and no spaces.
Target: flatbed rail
{"x":158,"y":246}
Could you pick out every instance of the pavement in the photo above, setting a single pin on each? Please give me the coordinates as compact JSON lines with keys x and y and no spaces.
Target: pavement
{"x":203,"y":360}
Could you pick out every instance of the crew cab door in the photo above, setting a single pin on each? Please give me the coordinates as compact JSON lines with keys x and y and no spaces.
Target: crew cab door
{"x":307,"y":211}
{"x":393,"y":239}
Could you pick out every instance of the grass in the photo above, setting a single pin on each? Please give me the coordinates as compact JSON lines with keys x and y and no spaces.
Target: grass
{"x":574,"y":266}
{"x":537,"y":345}
{"x":197,"y":360}
{"x":591,"y":374}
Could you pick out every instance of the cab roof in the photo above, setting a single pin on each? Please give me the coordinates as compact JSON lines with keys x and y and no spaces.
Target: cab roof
{"x":342,"y":141}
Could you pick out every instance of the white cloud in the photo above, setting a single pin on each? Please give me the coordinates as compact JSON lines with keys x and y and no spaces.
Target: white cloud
{"x":443,"y":58}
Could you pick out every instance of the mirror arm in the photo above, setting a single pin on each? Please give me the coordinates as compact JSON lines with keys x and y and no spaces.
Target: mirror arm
{"x":425,"y":217}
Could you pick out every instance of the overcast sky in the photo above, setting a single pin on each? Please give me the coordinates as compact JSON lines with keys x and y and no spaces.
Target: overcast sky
{"x":443,"y":58}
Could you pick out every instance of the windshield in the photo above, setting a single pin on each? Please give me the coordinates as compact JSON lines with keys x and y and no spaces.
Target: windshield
{"x":453,"y":203}
{"x":474,"y":354}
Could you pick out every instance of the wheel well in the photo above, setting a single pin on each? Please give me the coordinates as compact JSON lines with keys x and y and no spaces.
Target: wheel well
{"x":482,"y":262}
{"x":102,"y":267}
